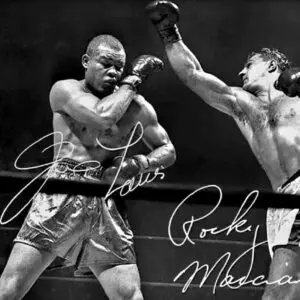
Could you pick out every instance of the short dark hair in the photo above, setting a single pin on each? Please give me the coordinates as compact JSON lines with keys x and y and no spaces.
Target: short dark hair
{"x":273,"y":54}
{"x":106,"y":40}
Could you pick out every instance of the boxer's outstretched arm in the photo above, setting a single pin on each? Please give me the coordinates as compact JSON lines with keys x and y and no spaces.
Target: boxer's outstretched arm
{"x":164,"y":15}
{"x":210,"y":88}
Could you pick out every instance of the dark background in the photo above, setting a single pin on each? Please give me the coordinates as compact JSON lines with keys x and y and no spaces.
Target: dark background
{"x":42,"y":41}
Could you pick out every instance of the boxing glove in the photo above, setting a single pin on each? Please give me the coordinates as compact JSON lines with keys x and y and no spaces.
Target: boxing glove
{"x":130,"y":167}
{"x":289,"y":82}
{"x":142,"y":67}
{"x":110,"y":173}
{"x":164,"y":15}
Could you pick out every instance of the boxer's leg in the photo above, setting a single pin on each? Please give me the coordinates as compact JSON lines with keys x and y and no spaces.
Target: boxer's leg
{"x":24,"y":266}
{"x":286,"y":261}
{"x":121,"y":282}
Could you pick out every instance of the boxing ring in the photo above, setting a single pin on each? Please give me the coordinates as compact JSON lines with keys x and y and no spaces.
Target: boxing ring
{"x":168,"y":242}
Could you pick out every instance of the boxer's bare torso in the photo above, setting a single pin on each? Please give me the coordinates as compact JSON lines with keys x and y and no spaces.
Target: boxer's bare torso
{"x":84,"y":143}
{"x":272,"y":131}
{"x":269,"y":120}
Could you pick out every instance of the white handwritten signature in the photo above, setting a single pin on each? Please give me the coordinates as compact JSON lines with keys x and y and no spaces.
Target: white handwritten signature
{"x":124,"y":189}
{"x":238,"y":224}
{"x":228,"y":280}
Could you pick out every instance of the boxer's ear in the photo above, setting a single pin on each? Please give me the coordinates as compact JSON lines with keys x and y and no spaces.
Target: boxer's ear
{"x":85,"y":60}
{"x":272,"y":67}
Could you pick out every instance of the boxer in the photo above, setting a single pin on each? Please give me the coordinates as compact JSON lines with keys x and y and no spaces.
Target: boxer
{"x":267,"y":110}
{"x":94,"y":115}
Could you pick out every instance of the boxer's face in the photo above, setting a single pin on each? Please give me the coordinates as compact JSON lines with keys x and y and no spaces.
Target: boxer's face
{"x":104,"y":69}
{"x":254,"y":72}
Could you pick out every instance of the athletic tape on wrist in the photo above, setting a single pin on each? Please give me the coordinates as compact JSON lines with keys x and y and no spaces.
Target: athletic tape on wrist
{"x":170,"y":35}
{"x":132,"y":80}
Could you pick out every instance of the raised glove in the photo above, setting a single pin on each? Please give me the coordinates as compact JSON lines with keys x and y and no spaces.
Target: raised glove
{"x":164,"y":15}
{"x":142,"y":67}
{"x":289,"y":82}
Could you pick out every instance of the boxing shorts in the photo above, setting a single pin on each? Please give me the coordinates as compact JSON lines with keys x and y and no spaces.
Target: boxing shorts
{"x":283,"y":224}
{"x":82,"y":230}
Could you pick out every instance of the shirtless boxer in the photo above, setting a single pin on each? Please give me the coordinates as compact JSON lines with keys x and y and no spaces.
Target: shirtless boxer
{"x":90,"y":231}
{"x":267,"y":111}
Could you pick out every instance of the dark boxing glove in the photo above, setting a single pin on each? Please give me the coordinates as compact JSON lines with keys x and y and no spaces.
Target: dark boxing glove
{"x":289,"y":82}
{"x":164,"y":15}
{"x":142,"y":67}
{"x":134,"y":166}
{"x":110,"y":173}
{"x":130,"y":167}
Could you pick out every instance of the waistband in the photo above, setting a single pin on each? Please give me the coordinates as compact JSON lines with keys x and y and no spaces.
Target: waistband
{"x":89,"y":170}
{"x":292,"y":178}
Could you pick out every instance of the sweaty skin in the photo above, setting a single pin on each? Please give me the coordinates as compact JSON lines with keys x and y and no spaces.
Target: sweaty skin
{"x":273,"y":133}
{"x":84,"y":111}
{"x":268,"y":119}
{"x":95,"y":108}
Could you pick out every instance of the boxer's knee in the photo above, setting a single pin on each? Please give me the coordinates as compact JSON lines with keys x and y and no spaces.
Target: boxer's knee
{"x":279,"y":292}
{"x":129,"y":292}
{"x":10,"y":287}
{"x":268,"y":295}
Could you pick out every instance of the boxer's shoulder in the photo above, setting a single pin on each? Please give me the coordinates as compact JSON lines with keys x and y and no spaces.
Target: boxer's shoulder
{"x":242,"y":94}
{"x":147,"y":111}
{"x":67,"y":84}
{"x":66,"y":91}
{"x":245,"y":100}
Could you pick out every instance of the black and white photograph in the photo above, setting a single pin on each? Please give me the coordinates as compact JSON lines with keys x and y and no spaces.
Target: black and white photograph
{"x":149,"y":150}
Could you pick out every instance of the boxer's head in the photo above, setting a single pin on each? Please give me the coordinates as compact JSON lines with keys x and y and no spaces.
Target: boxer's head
{"x":262,"y":69}
{"x":104,"y":63}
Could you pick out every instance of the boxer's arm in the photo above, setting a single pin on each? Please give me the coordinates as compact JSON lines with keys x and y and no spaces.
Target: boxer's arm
{"x":162,"y":155}
{"x":68,"y":97}
{"x":115,"y":105}
{"x":163,"y":152}
{"x":165,"y":15}
{"x":112,"y":108}
{"x":210,"y":88}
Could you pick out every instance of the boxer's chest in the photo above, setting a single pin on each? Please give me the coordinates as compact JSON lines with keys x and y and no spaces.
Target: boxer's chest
{"x":284,"y":112}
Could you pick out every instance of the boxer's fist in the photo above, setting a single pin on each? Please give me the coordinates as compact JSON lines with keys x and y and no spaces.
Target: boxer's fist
{"x":164,"y":15}
{"x":145,"y":65}
{"x":110,"y":173}
{"x":289,"y":82}
{"x":129,"y":168}
{"x":142,"y":67}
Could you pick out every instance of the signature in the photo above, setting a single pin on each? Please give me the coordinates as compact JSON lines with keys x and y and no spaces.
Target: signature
{"x":187,"y":226}
{"x":124,"y":189}
{"x":130,"y":184}
{"x":239,"y":225}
